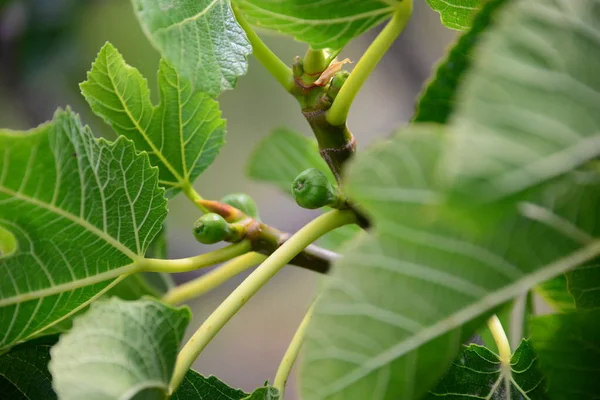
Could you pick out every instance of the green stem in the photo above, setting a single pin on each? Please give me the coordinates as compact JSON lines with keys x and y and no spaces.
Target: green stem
{"x":338,"y":113}
{"x":205,"y":283}
{"x":194,"y":196}
{"x":234,"y":302}
{"x":197,"y":262}
{"x":495,"y":327}
{"x":283,"y":372}
{"x":280,"y":71}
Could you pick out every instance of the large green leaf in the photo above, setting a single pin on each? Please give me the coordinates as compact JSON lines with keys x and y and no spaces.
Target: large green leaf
{"x":321,"y":24}
{"x":568,"y":347}
{"x":281,"y":157}
{"x":182,"y":135}
{"x":24,"y":371}
{"x":403,"y":299}
{"x":528,"y":109}
{"x":82,"y":210}
{"x":119,"y":350}
{"x":201,"y":38}
{"x":477,"y":373}
{"x":439,"y":97}
{"x":456,"y":14}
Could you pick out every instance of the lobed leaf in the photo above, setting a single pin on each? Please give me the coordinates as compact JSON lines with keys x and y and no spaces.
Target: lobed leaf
{"x":200,"y":38}
{"x":477,"y":373}
{"x":182,"y":135}
{"x":568,"y":346}
{"x":403,"y":299}
{"x":119,"y":350}
{"x":82,"y":211}
{"x":24,"y":371}
{"x":329,"y":24}
{"x":456,"y":14}
{"x":529,"y":104}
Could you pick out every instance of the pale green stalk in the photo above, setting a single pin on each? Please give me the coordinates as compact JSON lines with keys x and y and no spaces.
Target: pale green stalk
{"x":194,"y":196}
{"x":495,"y":327}
{"x":205,"y":283}
{"x":338,"y":113}
{"x":197,"y":262}
{"x":291,"y":354}
{"x":234,"y":302}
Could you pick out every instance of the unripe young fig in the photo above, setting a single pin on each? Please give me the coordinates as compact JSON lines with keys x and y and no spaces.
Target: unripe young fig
{"x":211,"y":228}
{"x":312,"y":189}
{"x":242,"y":202}
{"x":336,"y":83}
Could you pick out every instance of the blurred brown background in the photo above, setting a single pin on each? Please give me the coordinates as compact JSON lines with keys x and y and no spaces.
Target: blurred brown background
{"x":46,"y":48}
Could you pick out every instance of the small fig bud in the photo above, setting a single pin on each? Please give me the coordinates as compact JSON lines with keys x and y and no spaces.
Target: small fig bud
{"x":242,"y":202}
{"x":312,"y":189}
{"x":211,"y":228}
{"x":336,"y":83}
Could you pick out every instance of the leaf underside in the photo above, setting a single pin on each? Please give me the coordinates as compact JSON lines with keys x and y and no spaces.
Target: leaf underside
{"x":200,"y":38}
{"x":329,"y":24}
{"x":119,"y":350}
{"x":82,"y":210}
{"x":403,"y":299}
{"x":529,"y":104}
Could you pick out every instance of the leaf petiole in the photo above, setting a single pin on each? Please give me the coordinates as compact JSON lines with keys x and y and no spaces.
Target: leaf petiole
{"x":280,"y":71}
{"x":194,"y":196}
{"x":495,"y":327}
{"x":212,"y":279}
{"x":289,"y":358}
{"x":234,"y":302}
{"x":338,"y":113}
{"x":196,"y":262}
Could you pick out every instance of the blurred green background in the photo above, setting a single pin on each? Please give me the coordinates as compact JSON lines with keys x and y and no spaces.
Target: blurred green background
{"x":46,"y":48}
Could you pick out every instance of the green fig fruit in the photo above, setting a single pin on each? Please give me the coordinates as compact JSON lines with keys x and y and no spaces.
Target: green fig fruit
{"x":312,"y":189}
{"x":211,"y":228}
{"x":242,"y":202}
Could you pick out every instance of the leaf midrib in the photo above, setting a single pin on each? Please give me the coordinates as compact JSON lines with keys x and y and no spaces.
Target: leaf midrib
{"x":79,"y":221}
{"x":464,"y":315}
{"x":330,"y":21}
{"x":137,"y":125}
{"x":192,"y":18}
{"x":76,"y":284}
